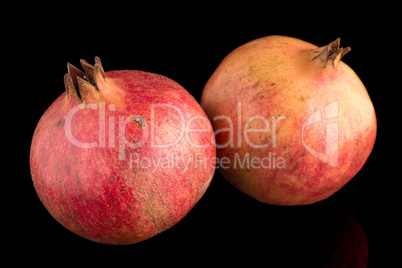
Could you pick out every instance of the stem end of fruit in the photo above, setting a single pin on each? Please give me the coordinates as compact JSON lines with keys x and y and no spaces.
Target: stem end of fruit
{"x":87,"y":90}
{"x":85,"y":86}
{"x":70,"y":88}
{"x":99,"y":74}
{"x":88,"y":68}
{"x":331,"y":54}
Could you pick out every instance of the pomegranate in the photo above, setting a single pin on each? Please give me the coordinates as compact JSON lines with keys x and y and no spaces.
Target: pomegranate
{"x":121,"y":155}
{"x":293,"y":123}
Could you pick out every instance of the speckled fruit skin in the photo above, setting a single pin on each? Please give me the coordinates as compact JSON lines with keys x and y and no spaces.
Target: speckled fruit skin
{"x":281,"y":79}
{"x":112,"y":192}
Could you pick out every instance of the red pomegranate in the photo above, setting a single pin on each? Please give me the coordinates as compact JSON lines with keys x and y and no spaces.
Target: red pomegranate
{"x":121,"y":156}
{"x":293,"y":122}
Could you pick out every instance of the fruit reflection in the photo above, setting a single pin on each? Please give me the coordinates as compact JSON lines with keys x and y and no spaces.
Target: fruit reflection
{"x":317,"y":236}
{"x":333,"y":241}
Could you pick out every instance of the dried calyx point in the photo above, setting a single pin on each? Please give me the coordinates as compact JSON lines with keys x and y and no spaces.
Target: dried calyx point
{"x":85,"y":86}
{"x":332,"y":53}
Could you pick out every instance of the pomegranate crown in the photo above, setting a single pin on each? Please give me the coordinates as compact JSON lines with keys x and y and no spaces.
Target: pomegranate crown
{"x":85,"y":86}
{"x":331,"y":53}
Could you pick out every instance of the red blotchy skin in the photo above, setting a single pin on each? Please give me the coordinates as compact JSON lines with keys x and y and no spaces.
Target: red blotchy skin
{"x":116,"y":192}
{"x":276,"y":78}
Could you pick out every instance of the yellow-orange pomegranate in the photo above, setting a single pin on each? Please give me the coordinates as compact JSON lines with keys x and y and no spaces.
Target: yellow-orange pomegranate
{"x":293,"y":123}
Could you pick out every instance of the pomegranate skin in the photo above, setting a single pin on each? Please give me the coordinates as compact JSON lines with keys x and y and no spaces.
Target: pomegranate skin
{"x":119,"y":163}
{"x":293,"y":123}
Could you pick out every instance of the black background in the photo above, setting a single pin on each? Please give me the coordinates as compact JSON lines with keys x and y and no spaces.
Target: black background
{"x":186,"y":43}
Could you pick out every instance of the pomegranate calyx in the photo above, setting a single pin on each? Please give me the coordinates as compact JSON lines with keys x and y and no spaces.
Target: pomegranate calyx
{"x":88,"y":91}
{"x":74,"y":72}
{"x":87,"y":83}
{"x":99,"y":75}
{"x":88,"y":68}
{"x":70,"y":88}
{"x":331,"y":53}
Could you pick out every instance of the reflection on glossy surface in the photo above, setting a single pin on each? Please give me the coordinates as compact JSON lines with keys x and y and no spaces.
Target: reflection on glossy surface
{"x":325,"y":240}
{"x":343,"y":244}
{"x":318,"y":236}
